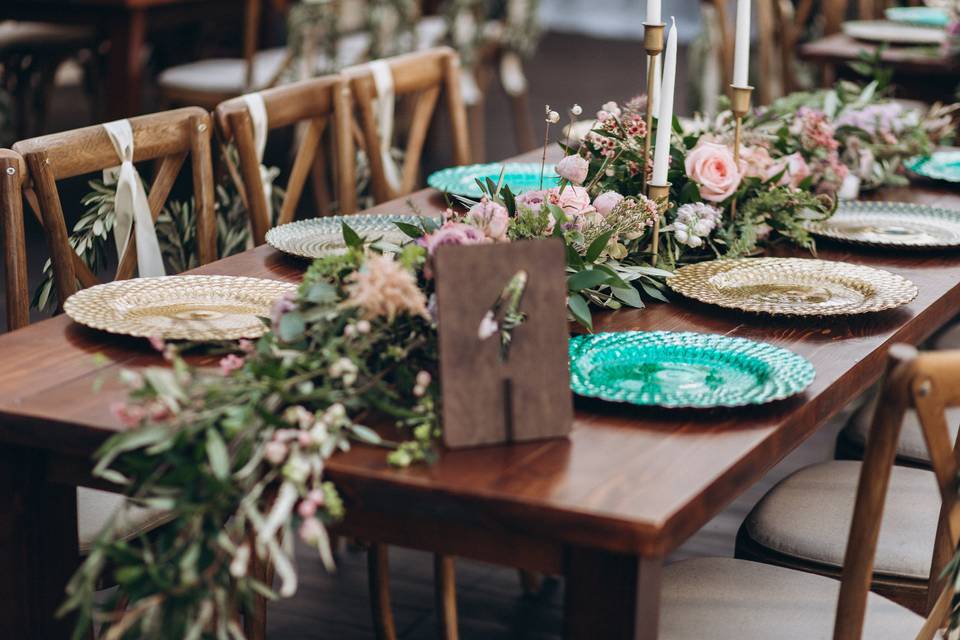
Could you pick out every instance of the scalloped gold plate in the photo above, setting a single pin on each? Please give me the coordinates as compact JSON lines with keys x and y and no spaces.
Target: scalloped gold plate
{"x":179,"y":307}
{"x":793,"y":286}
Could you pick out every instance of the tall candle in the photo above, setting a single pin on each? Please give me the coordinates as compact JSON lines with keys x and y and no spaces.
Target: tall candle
{"x":741,"y":55}
{"x":653,"y":11}
{"x":661,"y":155}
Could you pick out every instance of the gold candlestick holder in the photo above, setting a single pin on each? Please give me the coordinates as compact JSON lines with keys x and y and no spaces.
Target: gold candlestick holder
{"x":653,"y":43}
{"x":740,"y":105}
{"x":660,"y":194}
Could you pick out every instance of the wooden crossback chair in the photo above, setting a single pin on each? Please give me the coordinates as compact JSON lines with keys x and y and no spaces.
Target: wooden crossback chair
{"x":167,"y":137}
{"x":313,"y":102}
{"x":763,"y":601}
{"x":926,"y":382}
{"x":12,"y":174}
{"x":421,"y":75}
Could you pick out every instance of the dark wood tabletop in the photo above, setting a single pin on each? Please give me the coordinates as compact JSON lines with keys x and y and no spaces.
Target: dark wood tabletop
{"x":604,"y":507}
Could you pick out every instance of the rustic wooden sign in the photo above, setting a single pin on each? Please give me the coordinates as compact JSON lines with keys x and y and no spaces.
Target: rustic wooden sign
{"x":494,"y":393}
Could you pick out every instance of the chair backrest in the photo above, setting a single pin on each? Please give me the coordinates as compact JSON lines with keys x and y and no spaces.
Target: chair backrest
{"x":12,"y":172}
{"x":167,"y":137}
{"x":421,"y":75}
{"x":928,"y":383}
{"x":312,"y":102}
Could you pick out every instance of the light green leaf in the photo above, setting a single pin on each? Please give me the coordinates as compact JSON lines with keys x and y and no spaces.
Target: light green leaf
{"x":218,"y":455}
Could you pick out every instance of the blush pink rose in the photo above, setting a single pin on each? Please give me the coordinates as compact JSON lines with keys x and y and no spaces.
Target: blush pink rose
{"x":453,"y":233}
{"x":795,"y":170}
{"x":573,"y":168}
{"x":491,"y":218}
{"x":573,"y":200}
{"x":755,"y":162}
{"x":606,"y":202}
{"x":712,"y":167}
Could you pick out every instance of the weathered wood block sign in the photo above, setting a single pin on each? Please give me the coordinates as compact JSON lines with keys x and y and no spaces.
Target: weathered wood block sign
{"x":503,"y":340}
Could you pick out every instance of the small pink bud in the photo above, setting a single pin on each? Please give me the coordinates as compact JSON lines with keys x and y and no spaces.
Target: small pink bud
{"x":317,"y":497}
{"x":275,"y":452}
{"x":307,"y":508}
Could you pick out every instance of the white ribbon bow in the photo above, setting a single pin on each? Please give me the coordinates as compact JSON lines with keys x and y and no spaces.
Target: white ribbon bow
{"x":383,"y":107}
{"x":258,"y":117}
{"x":132,"y":209}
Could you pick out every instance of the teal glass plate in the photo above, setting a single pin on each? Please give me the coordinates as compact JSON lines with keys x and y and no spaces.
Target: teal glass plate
{"x":684,"y":370}
{"x":319,"y":237}
{"x":923,"y":16}
{"x":520,"y":176}
{"x":942,"y":165}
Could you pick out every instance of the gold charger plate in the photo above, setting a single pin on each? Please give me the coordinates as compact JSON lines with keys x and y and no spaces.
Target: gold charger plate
{"x":179,"y":307}
{"x":891,"y":224}
{"x":793,"y":286}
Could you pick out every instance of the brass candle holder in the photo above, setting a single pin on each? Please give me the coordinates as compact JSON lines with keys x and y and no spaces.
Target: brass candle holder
{"x":660,"y":194}
{"x":740,"y":105}
{"x":653,"y":43}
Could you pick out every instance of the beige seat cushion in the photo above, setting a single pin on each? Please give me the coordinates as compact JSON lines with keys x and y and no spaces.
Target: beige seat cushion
{"x":15,"y":34}
{"x":727,"y":599}
{"x":807,"y":516}
{"x":95,"y":508}
{"x":228,"y":75}
{"x":911,"y":446}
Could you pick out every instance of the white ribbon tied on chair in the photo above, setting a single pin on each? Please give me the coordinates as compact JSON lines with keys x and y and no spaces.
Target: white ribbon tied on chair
{"x":383,"y":108}
{"x":258,"y":117}
{"x":131,"y":205}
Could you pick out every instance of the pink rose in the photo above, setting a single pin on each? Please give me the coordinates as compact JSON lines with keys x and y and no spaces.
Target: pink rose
{"x":795,"y":170}
{"x":755,"y":162}
{"x":230,"y":363}
{"x":573,"y":168}
{"x":573,"y":200}
{"x":711,"y":166}
{"x":491,"y":218}
{"x":606,"y":202}
{"x":453,"y":233}
{"x":532,"y":200}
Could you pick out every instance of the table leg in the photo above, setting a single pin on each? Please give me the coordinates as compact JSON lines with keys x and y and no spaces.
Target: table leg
{"x":124,"y":81}
{"x":38,"y":546}
{"x":611,"y":596}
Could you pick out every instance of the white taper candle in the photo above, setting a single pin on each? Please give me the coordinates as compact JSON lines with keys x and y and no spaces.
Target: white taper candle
{"x":741,"y":54}
{"x":653,"y":11}
{"x":661,"y":155}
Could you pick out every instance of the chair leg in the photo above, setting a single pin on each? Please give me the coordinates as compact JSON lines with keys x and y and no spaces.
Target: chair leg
{"x":530,"y":582}
{"x":378,"y":570}
{"x":445,"y":590}
{"x":255,"y":624}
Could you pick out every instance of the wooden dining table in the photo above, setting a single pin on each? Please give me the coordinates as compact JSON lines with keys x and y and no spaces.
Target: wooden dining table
{"x":125,"y":24}
{"x":603,"y":507}
{"x":919,"y":72}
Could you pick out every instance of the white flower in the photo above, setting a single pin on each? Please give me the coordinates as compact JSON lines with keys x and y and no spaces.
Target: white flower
{"x":297,"y":469}
{"x":576,"y":110}
{"x":553,"y":117}
{"x":363,"y":327}
{"x":275,"y":452}
{"x":488,"y":326}
{"x":423,"y":378}
{"x":612,"y":108}
{"x":694,"y":222}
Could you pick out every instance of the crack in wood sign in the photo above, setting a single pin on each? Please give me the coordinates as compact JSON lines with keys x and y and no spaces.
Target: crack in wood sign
{"x":504,"y":374}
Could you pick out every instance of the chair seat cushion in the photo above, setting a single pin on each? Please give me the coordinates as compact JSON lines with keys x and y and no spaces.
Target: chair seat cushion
{"x":807,"y":516}
{"x":19,"y":35}
{"x":228,"y":75}
{"x":911,"y":446}
{"x":727,"y":599}
{"x":95,"y":508}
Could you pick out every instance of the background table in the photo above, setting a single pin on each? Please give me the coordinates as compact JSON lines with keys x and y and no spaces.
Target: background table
{"x":603,"y":508}
{"x":921,"y":73}
{"x":125,"y":24}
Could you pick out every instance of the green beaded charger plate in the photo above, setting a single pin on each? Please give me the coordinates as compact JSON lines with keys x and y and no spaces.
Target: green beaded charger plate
{"x":923,"y":16}
{"x":319,"y":237}
{"x":519,"y":176}
{"x":891,"y":224}
{"x":684,"y":370}
{"x":942,"y":165}
{"x":793,"y":286}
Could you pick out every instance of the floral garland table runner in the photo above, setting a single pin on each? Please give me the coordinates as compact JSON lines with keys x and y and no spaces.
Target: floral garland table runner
{"x":626,"y":482}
